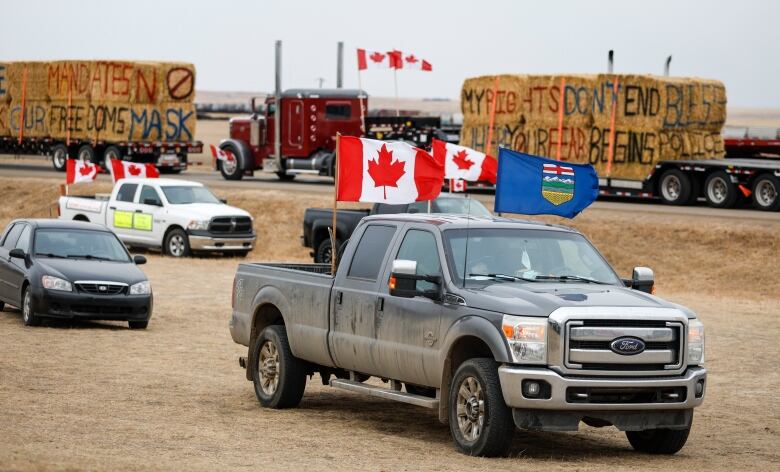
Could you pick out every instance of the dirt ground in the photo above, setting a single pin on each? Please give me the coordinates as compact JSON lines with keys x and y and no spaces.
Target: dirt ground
{"x":95,"y":395}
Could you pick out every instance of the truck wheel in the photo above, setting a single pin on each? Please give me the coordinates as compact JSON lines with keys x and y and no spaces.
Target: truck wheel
{"x":111,"y":152}
{"x":480,"y":422}
{"x":677,"y":188}
{"x":177,"y":244}
{"x":231,"y":170}
{"x":59,"y":157}
{"x":28,"y":317}
{"x":86,"y":153}
{"x":279,"y":378}
{"x":658,"y":441}
{"x":766,"y":193}
{"x":719,"y":191}
{"x":284,"y":177}
{"x":138,"y":324}
{"x":324,"y":252}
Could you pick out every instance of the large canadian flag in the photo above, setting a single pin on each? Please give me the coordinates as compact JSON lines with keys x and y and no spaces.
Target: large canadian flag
{"x":374,"y":60}
{"x":78,"y":171}
{"x":122,"y":169}
{"x":386,"y":172}
{"x":410,"y":61}
{"x":462,"y":163}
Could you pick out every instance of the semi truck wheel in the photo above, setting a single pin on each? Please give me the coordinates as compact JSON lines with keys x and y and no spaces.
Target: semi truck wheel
{"x":480,"y":422}
{"x":278,"y":376}
{"x":677,"y":188}
{"x":231,"y":170}
{"x":766,"y":193}
{"x":59,"y":157}
{"x":86,"y":153}
{"x":177,"y":244}
{"x":658,"y":441}
{"x":719,"y":191}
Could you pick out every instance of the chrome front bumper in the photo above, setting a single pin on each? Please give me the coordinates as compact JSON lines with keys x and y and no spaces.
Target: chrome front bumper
{"x":208,"y":243}
{"x":512,"y":377}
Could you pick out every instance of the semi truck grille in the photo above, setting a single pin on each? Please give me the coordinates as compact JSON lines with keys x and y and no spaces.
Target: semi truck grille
{"x":98,"y":288}
{"x":230,"y":225}
{"x":589,"y":345}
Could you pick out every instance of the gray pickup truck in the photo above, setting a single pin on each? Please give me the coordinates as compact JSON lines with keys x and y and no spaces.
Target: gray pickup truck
{"x":494,"y":323}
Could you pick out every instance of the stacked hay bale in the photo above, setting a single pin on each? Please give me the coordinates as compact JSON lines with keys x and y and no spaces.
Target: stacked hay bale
{"x":98,"y":100}
{"x":656,"y":118}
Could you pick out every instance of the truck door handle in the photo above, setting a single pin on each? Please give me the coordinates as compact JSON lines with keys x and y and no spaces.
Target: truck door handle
{"x":338,"y":298}
{"x":112,"y":208}
{"x":380,"y":304}
{"x":139,"y":211}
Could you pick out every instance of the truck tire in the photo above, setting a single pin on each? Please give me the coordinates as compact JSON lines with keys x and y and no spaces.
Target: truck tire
{"x":59,"y":157}
{"x":766,"y":193}
{"x":176,"y":243}
{"x":138,"y":324}
{"x":658,"y":441}
{"x":86,"y":153}
{"x":231,"y":170}
{"x":325,"y":251}
{"x":719,"y":191}
{"x":28,"y":317}
{"x":279,"y":377}
{"x":111,"y":152}
{"x":480,"y":422}
{"x":677,"y":188}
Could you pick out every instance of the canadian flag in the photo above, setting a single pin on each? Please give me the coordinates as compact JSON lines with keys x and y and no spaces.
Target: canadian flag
{"x":373,"y":60}
{"x":78,"y":171}
{"x":221,"y":155}
{"x":457,"y":185}
{"x":122,"y":169}
{"x":462,"y":163}
{"x":410,"y":61}
{"x":386,"y":172}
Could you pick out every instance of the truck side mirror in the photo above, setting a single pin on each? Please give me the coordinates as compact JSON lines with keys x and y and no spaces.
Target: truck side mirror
{"x":642,"y":279}
{"x":17,"y":253}
{"x":403,"y":281}
{"x":152,"y":201}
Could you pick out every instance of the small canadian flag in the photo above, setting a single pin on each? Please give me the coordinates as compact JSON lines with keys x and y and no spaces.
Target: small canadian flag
{"x":457,"y":185}
{"x":386,"y":172}
{"x":374,"y":59}
{"x":410,"y":61}
{"x":122,"y":169}
{"x":78,"y":171}
{"x":462,"y":163}
{"x":222,"y":155}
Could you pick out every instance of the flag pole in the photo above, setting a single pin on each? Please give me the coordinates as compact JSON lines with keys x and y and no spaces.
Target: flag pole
{"x":360,"y":97}
{"x":395,"y":83}
{"x":492,"y":116}
{"x":562,"y":96}
{"x":333,"y":249}
{"x":611,"y":151}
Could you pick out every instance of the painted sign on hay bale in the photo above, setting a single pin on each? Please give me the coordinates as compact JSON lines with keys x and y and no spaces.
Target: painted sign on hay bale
{"x":98,"y":100}
{"x":656,"y":118}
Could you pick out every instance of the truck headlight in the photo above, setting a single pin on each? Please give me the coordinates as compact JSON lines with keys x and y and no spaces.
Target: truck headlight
{"x":141,"y":288}
{"x":695,"y":342}
{"x":198,"y":224}
{"x":55,"y":283}
{"x":527,"y":338}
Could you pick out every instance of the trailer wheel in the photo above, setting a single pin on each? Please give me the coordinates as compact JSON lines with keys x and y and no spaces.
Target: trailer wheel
{"x":111,"y":152}
{"x":59,"y":157}
{"x":719,"y":190}
{"x":86,"y":153}
{"x":677,"y":188}
{"x":766,"y":193}
{"x":231,"y":170}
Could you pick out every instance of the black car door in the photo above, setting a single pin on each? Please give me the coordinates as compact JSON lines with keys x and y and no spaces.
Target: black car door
{"x":7,"y":265}
{"x":17,"y":268}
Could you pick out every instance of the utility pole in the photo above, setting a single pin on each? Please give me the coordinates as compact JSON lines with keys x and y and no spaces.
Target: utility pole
{"x":278,"y":108}
{"x":610,"y":61}
{"x":321,"y":80}
{"x":339,"y":65}
{"x":667,"y":65}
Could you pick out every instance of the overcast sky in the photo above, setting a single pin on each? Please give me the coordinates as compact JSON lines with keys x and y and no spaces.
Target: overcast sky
{"x":231,"y":42}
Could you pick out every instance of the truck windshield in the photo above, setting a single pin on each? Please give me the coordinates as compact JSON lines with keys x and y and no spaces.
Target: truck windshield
{"x":489,"y":255}
{"x":79,"y":244}
{"x":182,"y":195}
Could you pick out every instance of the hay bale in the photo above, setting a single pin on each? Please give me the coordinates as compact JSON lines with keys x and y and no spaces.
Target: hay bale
{"x":656,"y":118}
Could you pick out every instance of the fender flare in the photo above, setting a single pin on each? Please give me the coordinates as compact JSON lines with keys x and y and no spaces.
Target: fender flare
{"x":244,"y":153}
{"x":267,"y":295}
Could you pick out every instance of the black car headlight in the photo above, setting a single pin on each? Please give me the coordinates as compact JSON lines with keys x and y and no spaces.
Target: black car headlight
{"x":50,"y":282}
{"x":141,"y":288}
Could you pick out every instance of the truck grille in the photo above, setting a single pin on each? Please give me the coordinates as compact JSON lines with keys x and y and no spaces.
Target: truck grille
{"x":100,"y":288}
{"x":231,"y":225}
{"x":588,"y":345}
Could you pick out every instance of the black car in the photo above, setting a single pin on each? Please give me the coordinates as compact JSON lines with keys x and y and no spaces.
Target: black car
{"x":73,"y":270}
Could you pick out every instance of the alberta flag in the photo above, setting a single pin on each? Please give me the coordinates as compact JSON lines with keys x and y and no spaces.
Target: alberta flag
{"x":532,"y":185}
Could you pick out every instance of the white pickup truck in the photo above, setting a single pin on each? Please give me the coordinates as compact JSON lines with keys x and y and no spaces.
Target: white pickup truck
{"x":177,"y":216}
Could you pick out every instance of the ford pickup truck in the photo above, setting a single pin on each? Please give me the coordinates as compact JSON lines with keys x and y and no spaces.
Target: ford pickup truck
{"x":494,"y":323}
{"x":177,"y":216}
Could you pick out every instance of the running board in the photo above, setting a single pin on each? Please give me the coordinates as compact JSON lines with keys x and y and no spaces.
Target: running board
{"x":380,"y":392}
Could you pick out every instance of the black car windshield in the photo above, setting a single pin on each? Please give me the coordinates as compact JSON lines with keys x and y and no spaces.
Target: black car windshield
{"x":79,"y":244}
{"x":184,"y":194}
{"x":489,"y":255}
{"x":462,"y":206}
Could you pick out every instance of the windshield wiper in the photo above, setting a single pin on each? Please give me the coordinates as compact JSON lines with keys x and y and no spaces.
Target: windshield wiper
{"x":511,"y":278}
{"x":49,"y":254}
{"x":576,"y":278}
{"x":88,"y":256}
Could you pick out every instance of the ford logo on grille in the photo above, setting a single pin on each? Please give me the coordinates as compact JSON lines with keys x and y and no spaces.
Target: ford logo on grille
{"x":627,"y":346}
